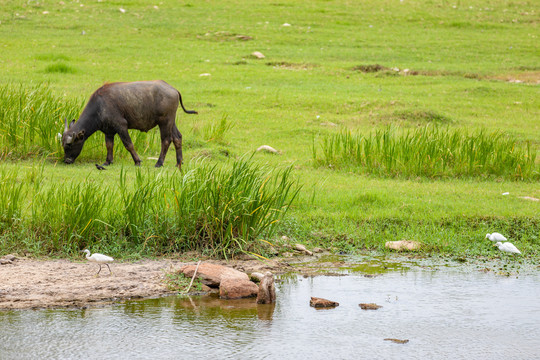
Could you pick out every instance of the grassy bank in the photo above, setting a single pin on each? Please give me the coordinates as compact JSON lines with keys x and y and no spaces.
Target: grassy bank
{"x":216,"y":210}
{"x":336,"y":75}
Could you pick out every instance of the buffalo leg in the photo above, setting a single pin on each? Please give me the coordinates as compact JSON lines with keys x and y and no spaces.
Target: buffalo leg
{"x":177,"y":139}
{"x":126,"y":140}
{"x":165,"y":143}
{"x":109,"y":143}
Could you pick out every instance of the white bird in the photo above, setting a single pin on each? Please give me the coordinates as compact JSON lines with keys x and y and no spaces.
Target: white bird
{"x":99,"y":259}
{"x":507,"y":247}
{"x":495,"y":237}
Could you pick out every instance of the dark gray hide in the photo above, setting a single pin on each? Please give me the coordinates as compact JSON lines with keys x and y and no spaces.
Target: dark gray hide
{"x":116,"y":107}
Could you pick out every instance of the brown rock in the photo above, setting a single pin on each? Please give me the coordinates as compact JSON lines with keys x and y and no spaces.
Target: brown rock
{"x":267,"y":290}
{"x":401,"y":245}
{"x":370,"y":306}
{"x":322,"y":303}
{"x":303,"y":249}
{"x":212,"y":274}
{"x":236,"y":288}
{"x":397,"y":341}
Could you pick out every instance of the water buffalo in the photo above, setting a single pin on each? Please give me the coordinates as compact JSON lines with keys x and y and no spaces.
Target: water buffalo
{"x":116,"y":107}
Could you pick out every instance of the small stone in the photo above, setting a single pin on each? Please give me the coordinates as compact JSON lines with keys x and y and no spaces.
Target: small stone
{"x":400,"y":245}
{"x":5,"y":262}
{"x":10,"y":257}
{"x":397,"y":341}
{"x":258,"y":55}
{"x":303,"y":249}
{"x":267,"y":148}
{"x":370,"y":306}
{"x":285,"y":238}
{"x":322,"y":303}
{"x":317,"y":250}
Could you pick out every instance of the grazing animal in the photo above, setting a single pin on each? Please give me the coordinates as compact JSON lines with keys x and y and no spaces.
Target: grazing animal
{"x":495,"y":237}
{"x":99,"y":259}
{"x":507,"y":247}
{"x":116,"y":107}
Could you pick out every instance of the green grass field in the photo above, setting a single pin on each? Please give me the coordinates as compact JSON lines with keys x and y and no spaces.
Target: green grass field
{"x":331,"y":68}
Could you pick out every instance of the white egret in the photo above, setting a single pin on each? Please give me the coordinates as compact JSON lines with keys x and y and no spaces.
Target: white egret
{"x":99,"y":259}
{"x":495,"y":237}
{"x":507,"y":247}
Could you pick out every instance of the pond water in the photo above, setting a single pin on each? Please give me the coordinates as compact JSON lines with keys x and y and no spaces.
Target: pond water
{"x":444,"y":312}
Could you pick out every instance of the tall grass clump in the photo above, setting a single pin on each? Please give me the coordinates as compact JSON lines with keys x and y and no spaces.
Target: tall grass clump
{"x":12,"y":195}
{"x":226,"y":209}
{"x":30,"y":118}
{"x":216,"y":130}
{"x":219,"y":210}
{"x":430,"y":151}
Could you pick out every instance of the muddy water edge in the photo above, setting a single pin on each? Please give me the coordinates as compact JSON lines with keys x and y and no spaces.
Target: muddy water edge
{"x":444,"y":308}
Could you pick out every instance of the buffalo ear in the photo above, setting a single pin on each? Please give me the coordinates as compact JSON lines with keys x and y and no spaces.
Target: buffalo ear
{"x":80,"y":135}
{"x":71,"y":123}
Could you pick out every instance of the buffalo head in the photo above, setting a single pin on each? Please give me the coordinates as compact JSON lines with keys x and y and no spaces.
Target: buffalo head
{"x":72,"y":141}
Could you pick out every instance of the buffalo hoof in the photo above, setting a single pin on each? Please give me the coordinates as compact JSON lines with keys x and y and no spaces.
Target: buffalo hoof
{"x":158,"y":165}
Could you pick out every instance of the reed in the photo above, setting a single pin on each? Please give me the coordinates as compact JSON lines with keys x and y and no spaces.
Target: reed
{"x":430,"y":151}
{"x":30,"y":119}
{"x":217,"y":210}
{"x":215,"y":131}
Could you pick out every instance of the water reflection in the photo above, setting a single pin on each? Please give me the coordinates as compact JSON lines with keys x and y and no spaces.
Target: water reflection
{"x":446,"y":313}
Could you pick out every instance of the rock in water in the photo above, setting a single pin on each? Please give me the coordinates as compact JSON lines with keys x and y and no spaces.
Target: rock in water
{"x":235,"y":288}
{"x":322,"y":303}
{"x":267,"y":290}
{"x":397,"y":341}
{"x":370,"y":306}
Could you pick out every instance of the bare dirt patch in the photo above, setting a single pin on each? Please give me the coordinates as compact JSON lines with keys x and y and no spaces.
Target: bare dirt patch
{"x":60,"y":283}
{"x":35,"y":284}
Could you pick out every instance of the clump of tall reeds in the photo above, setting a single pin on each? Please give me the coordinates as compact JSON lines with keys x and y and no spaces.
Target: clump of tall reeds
{"x":221,"y":210}
{"x":30,"y":119}
{"x":430,"y":151}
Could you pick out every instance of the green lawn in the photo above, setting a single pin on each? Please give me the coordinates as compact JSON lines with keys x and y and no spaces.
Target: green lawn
{"x":329,"y":67}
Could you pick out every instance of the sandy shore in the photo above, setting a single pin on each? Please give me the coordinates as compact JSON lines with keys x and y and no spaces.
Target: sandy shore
{"x":34,"y":284}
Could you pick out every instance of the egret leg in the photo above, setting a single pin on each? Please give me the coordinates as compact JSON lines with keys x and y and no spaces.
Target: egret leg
{"x":99,"y":269}
{"x":109,"y":268}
